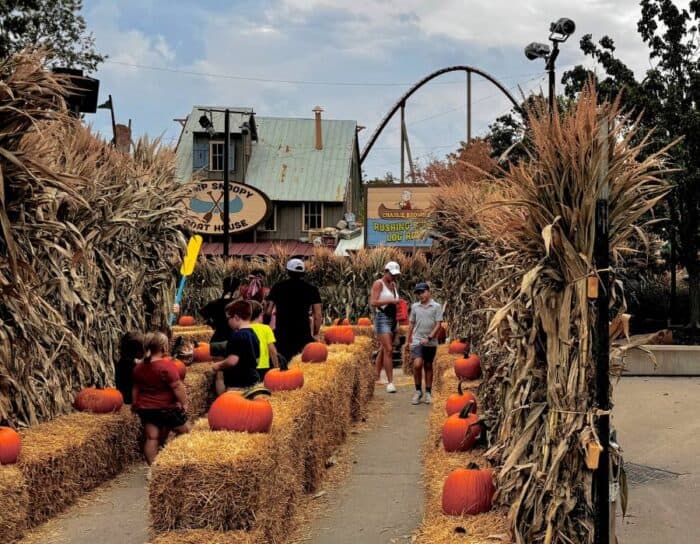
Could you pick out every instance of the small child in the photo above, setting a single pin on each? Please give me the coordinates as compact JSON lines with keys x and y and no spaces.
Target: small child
{"x":160,"y":399}
{"x":130,"y":350}
{"x":266,"y":337}
{"x":239,"y":369}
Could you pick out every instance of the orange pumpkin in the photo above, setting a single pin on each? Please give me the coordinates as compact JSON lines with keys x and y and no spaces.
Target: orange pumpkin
{"x":461,"y":431}
{"x":364,"y":322}
{"x":468,"y":491}
{"x":186,"y":321}
{"x":341,"y":334}
{"x":200,"y":353}
{"x":98,"y":401}
{"x":314,"y":352}
{"x":284,"y":378}
{"x":10,"y":446}
{"x":181,"y":368}
{"x":469,"y":368}
{"x":459,"y":347}
{"x":459,"y":400}
{"x":233,"y":411}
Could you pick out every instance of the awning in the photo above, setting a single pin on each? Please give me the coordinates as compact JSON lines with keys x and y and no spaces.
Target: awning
{"x":291,"y":248}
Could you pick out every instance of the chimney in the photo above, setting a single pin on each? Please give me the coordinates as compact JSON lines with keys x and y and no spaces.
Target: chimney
{"x":319,"y":139}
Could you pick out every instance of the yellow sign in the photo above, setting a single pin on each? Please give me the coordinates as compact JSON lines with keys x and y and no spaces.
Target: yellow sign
{"x":193,"y":247}
{"x":248,"y":207}
{"x":397,"y":215}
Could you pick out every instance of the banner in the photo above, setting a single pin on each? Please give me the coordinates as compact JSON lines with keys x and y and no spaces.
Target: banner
{"x":397,"y":215}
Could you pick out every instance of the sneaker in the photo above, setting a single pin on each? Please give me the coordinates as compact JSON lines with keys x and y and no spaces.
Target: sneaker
{"x":390,"y":388}
{"x":382,"y":378}
{"x":428,"y":398}
{"x":416,"y":397}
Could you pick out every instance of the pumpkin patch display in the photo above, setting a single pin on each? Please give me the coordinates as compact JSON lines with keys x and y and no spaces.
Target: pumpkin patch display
{"x":201,"y":353}
{"x":468,"y":368}
{"x":456,"y":402}
{"x":99,"y":401}
{"x":314,"y":352}
{"x":233,"y":411}
{"x":468,"y":491}
{"x":10,"y":446}
{"x":186,"y":321}
{"x":364,"y":322}
{"x":285,"y":378}
{"x":341,"y":334}
{"x":181,"y":368}
{"x":461,"y":431}
{"x":459,"y":347}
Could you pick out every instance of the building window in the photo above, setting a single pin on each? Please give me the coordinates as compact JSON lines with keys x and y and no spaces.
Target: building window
{"x":216,"y":156}
{"x":271,"y":224}
{"x":312,"y":216}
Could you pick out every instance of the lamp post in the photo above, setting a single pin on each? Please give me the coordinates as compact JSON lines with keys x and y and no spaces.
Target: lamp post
{"x":559,"y":32}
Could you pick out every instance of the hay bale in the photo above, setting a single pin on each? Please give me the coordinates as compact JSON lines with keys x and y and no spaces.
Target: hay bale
{"x":199,"y":383}
{"x":14,"y":502}
{"x":71,"y":455}
{"x":196,"y":333}
{"x":203,"y":536}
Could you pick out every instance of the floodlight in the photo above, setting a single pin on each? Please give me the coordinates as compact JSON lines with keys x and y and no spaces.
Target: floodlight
{"x":537,"y":50}
{"x":561,"y":29}
{"x":206,"y":124}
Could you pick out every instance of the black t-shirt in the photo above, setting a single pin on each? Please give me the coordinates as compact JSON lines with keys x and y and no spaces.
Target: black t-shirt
{"x":215,"y":314}
{"x":293,"y":299}
{"x":246,"y":345}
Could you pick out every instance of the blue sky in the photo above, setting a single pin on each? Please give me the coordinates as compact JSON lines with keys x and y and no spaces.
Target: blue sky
{"x":384,"y":46}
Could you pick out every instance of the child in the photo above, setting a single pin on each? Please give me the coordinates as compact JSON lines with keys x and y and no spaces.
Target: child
{"x":268,"y":351}
{"x":238,"y":369}
{"x":130,"y":350}
{"x":159,"y":396}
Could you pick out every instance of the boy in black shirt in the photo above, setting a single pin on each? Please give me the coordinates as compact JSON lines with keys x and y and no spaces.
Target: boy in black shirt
{"x":239,"y":369}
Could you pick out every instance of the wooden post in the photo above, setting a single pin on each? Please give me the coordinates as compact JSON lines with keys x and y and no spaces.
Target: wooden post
{"x":403,"y":118}
{"x":469,"y":107}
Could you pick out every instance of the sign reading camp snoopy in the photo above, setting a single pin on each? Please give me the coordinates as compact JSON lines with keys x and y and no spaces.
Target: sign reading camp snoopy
{"x":247,"y":206}
{"x":397,"y":215}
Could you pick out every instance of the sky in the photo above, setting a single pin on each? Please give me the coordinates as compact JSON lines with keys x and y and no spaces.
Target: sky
{"x":354,"y":58}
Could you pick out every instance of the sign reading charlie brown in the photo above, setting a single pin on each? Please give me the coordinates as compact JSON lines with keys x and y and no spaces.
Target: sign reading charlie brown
{"x":397,"y":215}
{"x":248,"y":207}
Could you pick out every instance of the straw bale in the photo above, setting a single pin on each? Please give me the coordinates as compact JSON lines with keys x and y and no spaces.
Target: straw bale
{"x":14,"y":503}
{"x":67,"y":457}
{"x":199,"y":383}
{"x":202,"y":334}
{"x":203,"y":536}
{"x":363,"y":373}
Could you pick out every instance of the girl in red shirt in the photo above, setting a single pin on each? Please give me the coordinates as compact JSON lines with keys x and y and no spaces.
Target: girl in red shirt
{"x":159,"y":396}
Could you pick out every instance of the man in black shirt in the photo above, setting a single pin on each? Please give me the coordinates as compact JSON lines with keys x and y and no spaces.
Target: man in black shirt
{"x":293,"y":298}
{"x":215,"y":311}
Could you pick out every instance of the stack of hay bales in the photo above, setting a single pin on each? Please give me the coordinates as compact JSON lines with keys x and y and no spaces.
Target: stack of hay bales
{"x":195,"y":333}
{"x":437,"y":528}
{"x":230,"y":482}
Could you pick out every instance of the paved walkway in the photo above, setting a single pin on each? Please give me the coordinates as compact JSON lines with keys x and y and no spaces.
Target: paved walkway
{"x":382,"y":499}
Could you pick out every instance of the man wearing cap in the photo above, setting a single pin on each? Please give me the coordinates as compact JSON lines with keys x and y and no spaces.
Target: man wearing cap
{"x":292,"y":299}
{"x":425,"y":322}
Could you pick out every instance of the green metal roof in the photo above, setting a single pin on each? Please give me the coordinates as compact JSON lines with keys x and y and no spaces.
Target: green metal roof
{"x":285,"y":164}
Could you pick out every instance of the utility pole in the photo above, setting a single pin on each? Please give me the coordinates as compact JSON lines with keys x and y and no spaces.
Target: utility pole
{"x":227,"y":146}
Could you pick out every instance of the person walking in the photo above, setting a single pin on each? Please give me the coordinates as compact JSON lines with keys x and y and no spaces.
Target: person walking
{"x":424,"y":324}
{"x":292,"y":299}
{"x":384,"y":297}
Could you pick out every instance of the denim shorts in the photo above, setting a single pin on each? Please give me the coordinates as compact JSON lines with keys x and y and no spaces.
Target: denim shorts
{"x":383,"y":324}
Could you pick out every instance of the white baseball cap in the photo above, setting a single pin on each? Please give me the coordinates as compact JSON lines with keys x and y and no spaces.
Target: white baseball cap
{"x":296,"y":265}
{"x":393,"y":268}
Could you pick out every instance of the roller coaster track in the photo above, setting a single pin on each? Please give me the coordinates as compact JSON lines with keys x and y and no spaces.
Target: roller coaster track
{"x":401,"y":103}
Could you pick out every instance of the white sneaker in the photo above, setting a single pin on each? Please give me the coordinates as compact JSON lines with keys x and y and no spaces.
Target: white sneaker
{"x":416,"y":397}
{"x":390,"y":388}
{"x":382,"y":377}
{"x":428,"y":398}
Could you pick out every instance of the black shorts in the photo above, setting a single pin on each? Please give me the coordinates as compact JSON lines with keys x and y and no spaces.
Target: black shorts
{"x":427,"y":353}
{"x":163,"y":417}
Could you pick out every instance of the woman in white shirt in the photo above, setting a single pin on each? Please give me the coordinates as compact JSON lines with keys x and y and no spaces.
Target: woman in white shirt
{"x":384,"y":297}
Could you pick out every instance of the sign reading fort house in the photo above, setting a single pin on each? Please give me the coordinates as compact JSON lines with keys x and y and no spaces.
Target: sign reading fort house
{"x":397,"y":215}
{"x":247,"y":206}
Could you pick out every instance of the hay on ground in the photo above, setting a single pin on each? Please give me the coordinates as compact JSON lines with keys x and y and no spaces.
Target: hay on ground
{"x":14,"y":503}
{"x":203,"y":536}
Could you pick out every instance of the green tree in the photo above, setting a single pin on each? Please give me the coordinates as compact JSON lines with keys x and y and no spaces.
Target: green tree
{"x":54,"y":24}
{"x":668,"y":100}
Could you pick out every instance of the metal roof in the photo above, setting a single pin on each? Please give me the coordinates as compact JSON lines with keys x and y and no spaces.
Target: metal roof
{"x":286,"y":165}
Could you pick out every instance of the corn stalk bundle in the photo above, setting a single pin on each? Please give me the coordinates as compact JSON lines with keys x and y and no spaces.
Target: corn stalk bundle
{"x":88,"y":239}
{"x":547,"y":378}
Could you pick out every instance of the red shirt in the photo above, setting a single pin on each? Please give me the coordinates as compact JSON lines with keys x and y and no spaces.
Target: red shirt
{"x":154,"y":383}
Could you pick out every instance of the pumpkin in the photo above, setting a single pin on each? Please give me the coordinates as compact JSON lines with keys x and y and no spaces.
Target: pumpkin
{"x":468,"y":368}
{"x":98,"y":401}
{"x":10,"y":446}
{"x":284,"y":378}
{"x":200,"y":353}
{"x":459,"y":347}
{"x":233,"y":411}
{"x":341,"y":334}
{"x":314,"y":352}
{"x":341,"y":321}
{"x":468,"y":491}
{"x":181,"y":368}
{"x":186,"y":321}
{"x":461,"y":431}
{"x":364,"y":322}
{"x":459,"y":400}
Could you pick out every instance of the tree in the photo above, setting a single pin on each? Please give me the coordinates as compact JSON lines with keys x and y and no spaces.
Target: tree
{"x":668,"y":100}
{"x":53,"y":24}
{"x":466,"y":164}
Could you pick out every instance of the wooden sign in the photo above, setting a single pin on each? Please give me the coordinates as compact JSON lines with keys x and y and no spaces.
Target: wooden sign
{"x":397,"y":215}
